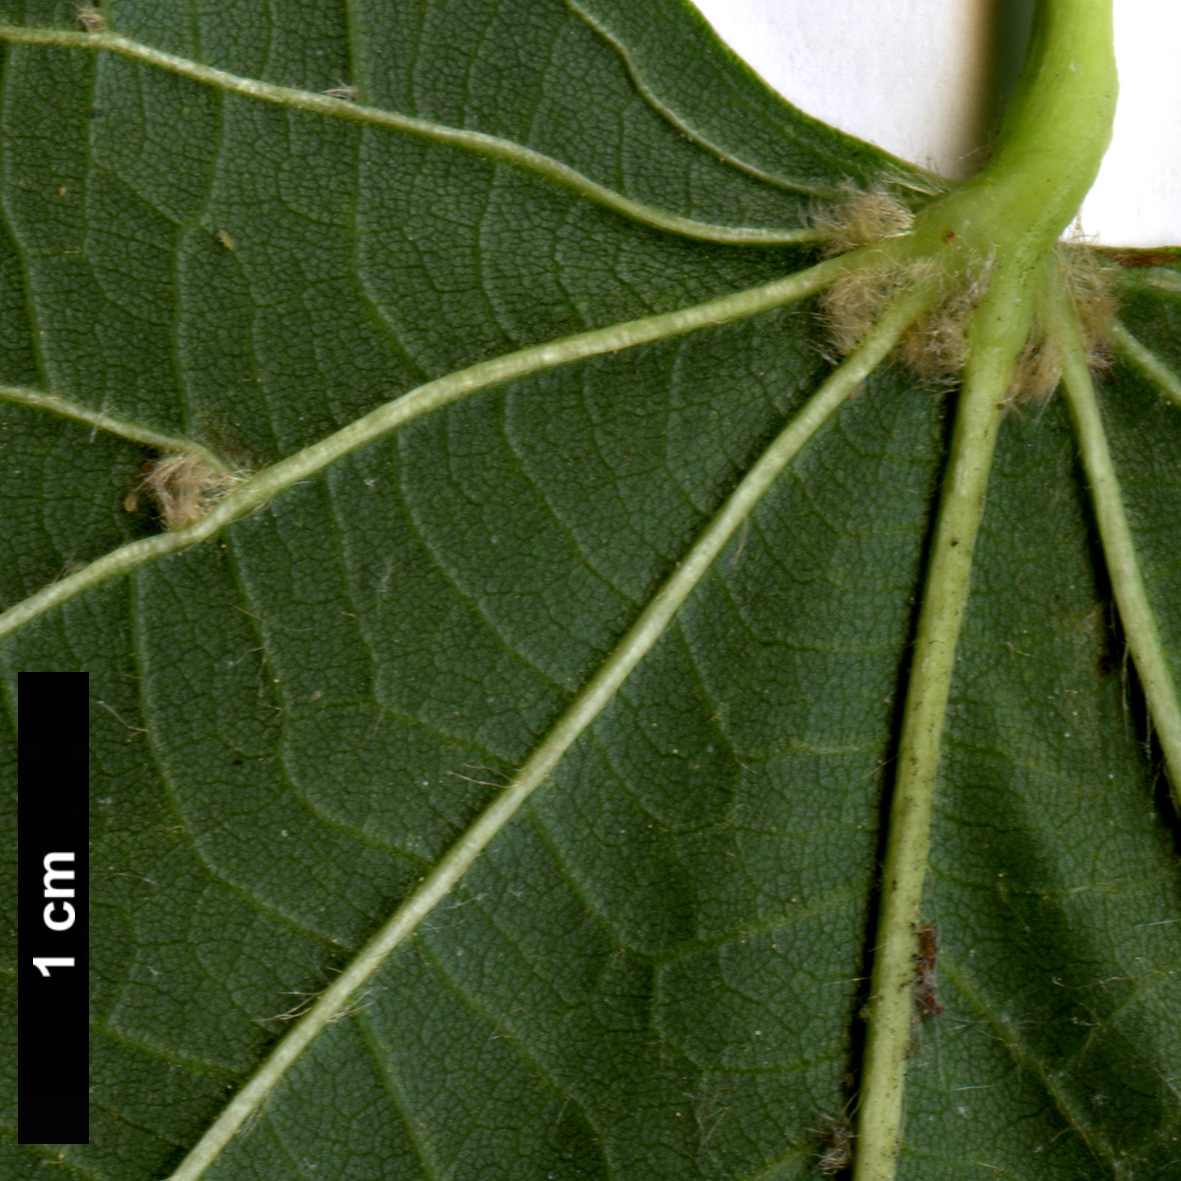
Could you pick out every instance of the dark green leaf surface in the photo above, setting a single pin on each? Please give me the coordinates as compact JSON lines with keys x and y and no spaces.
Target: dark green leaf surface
{"x":656,"y":971}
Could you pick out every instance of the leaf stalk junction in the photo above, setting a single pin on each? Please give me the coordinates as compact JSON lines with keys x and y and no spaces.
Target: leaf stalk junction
{"x":1001,"y":228}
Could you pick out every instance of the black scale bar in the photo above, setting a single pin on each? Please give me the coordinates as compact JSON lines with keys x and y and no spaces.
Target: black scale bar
{"x":53,"y":1059}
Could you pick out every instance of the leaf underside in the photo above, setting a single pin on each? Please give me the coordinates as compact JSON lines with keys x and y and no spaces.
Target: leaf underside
{"x":656,"y":970}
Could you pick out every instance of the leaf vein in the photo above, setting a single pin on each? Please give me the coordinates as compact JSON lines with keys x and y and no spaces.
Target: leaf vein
{"x":398,"y":1100}
{"x":1149,"y":363}
{"x":516,"y":1038}
{"x":687,"y":129}
{"x":491,"y":146}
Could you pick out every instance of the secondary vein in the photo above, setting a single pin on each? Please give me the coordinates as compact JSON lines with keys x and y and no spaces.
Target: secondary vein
{"x":101,"y":421}
{"x":490,"y":146}
{"x":1149,"y":363}
{"x":582,"y":711}
{"x":1119,"y":549}
{"x":268,"y":483}
{"x":666,"y":112}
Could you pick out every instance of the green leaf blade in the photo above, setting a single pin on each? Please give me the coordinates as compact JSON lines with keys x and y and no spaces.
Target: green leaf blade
{"x":657,"y":969}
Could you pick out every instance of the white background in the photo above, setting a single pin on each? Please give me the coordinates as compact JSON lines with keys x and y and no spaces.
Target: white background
{"x":915,"y":76}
